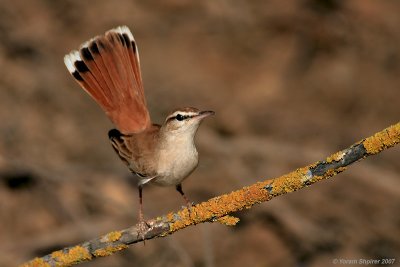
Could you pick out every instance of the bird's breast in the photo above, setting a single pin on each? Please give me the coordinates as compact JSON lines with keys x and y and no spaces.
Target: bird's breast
{"x":176,"y":161}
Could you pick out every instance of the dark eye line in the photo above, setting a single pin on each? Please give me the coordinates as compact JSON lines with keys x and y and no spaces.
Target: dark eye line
{"x":180,"y":117}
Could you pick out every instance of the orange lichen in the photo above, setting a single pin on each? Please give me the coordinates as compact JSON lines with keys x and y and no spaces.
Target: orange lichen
{"x":228,"y":220}
{"x":36,"y":262}
{"x":218,"y":207}
{"x":102,"y":252}
{"x":114,"y":236}
{"x":386,"y":138}
{"x":183,"y":218}
{"x":215,"y":209}
{"x":73,"y":255}
{"x":289,"y":182}
{"x":335,"y":157}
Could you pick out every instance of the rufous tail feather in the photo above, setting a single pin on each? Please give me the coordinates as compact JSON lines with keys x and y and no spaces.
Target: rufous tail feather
{"x":108,"y":69}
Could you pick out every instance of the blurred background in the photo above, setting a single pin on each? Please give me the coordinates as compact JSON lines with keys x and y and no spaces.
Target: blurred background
{"x":291,"y":82}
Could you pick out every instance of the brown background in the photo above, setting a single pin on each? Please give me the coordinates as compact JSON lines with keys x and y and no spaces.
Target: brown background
{"x":290,"y":81}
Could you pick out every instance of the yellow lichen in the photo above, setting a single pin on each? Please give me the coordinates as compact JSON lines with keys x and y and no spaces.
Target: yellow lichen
{"x":335,"y":157}
{"x":289,"y":182}
{"x":228,"y":220}
{"x":73,"y":255}
{"x":242,"y":199}
{"x":36,"y":262}
{"x":114,"y":236}
{"x":217,"y":207}
{"x":102,"y":252}
{"x":386,"y":138}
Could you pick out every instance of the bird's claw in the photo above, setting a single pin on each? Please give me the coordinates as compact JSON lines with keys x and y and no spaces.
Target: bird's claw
{"x":189,"y":205}
{"x":142,"y":229}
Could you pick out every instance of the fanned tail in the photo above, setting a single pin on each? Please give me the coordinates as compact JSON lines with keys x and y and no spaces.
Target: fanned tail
{"x":108,"y":69}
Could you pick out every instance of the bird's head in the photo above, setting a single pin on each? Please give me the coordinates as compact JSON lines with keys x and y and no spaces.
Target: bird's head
{"x":185,"y":120}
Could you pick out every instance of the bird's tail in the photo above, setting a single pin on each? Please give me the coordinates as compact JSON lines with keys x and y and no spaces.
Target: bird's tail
{"x":108,"y":69}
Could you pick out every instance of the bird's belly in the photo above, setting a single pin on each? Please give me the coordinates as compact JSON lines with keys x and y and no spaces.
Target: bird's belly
{"x":173,"y":170}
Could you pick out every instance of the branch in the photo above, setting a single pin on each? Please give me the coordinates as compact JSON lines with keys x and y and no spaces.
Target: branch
{"x":218,"y":208}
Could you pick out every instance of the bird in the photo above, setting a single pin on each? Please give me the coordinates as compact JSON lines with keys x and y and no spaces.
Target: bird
{"x":107,"y":67}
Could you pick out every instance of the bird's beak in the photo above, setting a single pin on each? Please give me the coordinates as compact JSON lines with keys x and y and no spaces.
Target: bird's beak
{"x":204,"y":114}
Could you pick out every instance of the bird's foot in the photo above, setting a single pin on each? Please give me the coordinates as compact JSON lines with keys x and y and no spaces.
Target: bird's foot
{"x":189,"y":205}
{"x":142,"y":229}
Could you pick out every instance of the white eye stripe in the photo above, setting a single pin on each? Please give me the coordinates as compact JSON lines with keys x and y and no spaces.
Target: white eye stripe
{"x":183,"y":113}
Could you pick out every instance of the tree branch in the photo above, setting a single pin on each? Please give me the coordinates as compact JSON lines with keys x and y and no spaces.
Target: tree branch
{"x":218,"y":208}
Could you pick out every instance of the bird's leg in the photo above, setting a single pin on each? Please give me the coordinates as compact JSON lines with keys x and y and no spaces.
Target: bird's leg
{"x":189,"y":204}
{"x":142,"y":225}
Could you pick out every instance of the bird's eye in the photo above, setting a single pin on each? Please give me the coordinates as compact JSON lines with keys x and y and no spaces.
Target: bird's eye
{"x":179,"y":117}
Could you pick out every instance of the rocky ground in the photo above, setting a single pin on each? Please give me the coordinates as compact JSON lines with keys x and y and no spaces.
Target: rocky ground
{"x":290,"y":81}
